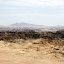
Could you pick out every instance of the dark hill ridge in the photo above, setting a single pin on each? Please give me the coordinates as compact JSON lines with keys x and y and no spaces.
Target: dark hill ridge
{"x":31,"y":35}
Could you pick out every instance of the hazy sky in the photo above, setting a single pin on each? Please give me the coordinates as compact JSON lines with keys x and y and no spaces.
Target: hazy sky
{"x":42,"y":12}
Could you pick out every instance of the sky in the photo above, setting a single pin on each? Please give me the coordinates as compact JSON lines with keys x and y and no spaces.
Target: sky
{"x":39,"y":12}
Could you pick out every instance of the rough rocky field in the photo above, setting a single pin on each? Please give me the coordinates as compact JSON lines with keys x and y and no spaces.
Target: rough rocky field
{"x":32,"y":48}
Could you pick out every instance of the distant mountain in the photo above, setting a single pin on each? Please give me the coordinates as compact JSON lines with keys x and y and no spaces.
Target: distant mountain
{"x":28,"y":26}
{"x":25,"y":24}
{"x":59,"y":27}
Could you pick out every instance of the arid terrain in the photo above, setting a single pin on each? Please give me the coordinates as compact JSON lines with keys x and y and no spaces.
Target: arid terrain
{"x":29,"y":47}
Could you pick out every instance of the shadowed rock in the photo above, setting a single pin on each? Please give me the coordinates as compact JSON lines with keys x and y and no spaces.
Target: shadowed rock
{"x":31,"y":34}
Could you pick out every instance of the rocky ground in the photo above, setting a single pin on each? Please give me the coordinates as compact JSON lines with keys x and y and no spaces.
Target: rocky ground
{"x":32,"y":51}
{"x":30,"y":47}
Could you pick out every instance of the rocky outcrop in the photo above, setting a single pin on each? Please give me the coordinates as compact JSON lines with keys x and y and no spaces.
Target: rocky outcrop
{"x":31,"y":34}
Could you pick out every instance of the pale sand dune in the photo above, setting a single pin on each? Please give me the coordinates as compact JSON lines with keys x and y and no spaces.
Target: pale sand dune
{"x":29,"y":53}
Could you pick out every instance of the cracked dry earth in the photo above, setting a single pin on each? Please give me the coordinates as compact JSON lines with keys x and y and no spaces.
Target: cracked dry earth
{"x":30,"y":52}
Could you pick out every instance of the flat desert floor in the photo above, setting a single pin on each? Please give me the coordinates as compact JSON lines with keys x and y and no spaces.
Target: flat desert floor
{"x":30,"y":52}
